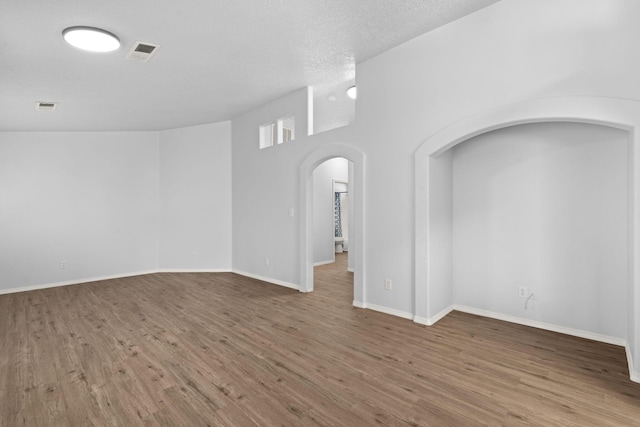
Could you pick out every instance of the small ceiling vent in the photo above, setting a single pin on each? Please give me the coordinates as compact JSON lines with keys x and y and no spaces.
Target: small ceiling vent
{"x":46,"y":106}
{"x":142,"y":52}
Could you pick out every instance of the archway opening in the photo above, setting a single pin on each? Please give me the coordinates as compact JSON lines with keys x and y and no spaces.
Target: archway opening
{"x":356,"y":240}
{"x":332,"y":233}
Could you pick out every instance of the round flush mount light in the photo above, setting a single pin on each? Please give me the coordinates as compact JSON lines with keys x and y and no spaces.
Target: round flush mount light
{"x":352,"y":92}
{"x":91,"y":39}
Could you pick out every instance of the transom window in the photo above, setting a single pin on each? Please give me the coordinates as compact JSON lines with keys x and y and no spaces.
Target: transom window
{"x":281,"y":131}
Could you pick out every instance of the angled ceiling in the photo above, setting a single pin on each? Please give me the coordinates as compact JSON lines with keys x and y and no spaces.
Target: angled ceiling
{"x":217,"y":59}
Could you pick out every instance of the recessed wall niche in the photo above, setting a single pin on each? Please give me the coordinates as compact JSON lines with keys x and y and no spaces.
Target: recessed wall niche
{"x":433,"y":272}
{"x":542,"y":206}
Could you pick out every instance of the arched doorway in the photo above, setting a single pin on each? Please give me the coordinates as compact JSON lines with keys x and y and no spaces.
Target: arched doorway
{"x":306,"y":216}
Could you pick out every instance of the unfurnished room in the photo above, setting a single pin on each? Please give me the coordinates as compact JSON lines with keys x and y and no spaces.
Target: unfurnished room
{"x":320,"y":213}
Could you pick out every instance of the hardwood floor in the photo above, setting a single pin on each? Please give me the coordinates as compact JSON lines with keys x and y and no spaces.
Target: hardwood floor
{"x":224,"y":350}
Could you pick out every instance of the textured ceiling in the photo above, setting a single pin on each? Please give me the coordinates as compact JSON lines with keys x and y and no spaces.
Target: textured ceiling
{"x":218,"y":58}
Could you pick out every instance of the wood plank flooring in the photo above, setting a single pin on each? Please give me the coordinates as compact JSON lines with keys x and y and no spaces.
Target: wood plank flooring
{"x":224,"y":350}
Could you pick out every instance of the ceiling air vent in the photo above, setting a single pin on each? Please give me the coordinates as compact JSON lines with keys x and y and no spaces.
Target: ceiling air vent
{"x":142,"y":52}
{"x":46,"y":106}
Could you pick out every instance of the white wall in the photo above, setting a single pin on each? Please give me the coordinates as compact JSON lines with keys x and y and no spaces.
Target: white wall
{"x":440,"y":268}
{"x":543,"y":206}
{"x":409,"y":93}
{"x":350,"y":216}
{"x":323,"y":223}
{"x":87,"y":198}
{"x":195,"y":198}
{"x":265,"y":189}
{"x":494,"y":57}
{"x":113,"y":203}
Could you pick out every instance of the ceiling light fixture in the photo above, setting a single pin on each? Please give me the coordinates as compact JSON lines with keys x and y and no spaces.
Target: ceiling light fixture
{"x":91,"y":39}
{"x":352,"y":92}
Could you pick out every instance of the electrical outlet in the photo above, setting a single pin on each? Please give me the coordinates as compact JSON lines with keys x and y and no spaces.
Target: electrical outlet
{"x":266,"y":261}
{"x":63,"y":265}
{"x":291,"y":212}
{"x":195,"y":255}
{"x":522,"y":292}
{"x":387,"y":284}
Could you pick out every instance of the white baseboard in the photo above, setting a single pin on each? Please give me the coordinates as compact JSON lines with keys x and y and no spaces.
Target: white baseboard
{"x":432,"y":320}
{"x":74,"y":282}
{"x":140,"y":273}
{"x":268,"y":279}
{"x":316,"y":264}
{"x":385,"y":310}
{"x":635,"y":376}
{"x":422,"y":321}
{"x":526,"y":322}
{"x":541,"y":325}
{"x":193,"y":270}
{"x":350,"y":269}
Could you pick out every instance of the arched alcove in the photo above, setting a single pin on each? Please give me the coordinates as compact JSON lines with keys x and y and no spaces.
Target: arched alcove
{"x":314,"y":159}
{"x":433,"y":297}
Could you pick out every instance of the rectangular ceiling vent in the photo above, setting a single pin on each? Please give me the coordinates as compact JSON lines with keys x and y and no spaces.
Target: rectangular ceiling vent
{"x":142,"y":52}
{"x":46,"y":106}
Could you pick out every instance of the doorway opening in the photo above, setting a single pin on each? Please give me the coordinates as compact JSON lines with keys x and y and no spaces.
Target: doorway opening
{"x":309,"y":219}
{"x":331,"y":210}
{"x":331,"y":221}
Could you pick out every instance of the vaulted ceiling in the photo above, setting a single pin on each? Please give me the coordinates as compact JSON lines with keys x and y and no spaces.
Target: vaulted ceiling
{"x":217,"y":58}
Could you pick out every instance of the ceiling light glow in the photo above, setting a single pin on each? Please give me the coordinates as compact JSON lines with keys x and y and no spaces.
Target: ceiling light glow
{"x":91,"y":39}
{"x":352,"y":92}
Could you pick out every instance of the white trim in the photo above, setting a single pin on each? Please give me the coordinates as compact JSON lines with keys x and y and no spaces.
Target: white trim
{"x":541,"y":325}
{"x":385,"y":310}
{"x":330,"y":261}
{"x":359,"y":304}
{"x":74,"y":282}
{"x":633,"y":375}
{"x":140,"y":273}
{"x":350,"y":270}
{"x":267,"y":279}
{"x":430,"y":321}
{"x":193,"y":270}
{"x":422,"y":321}
{"x":309,"y":110}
